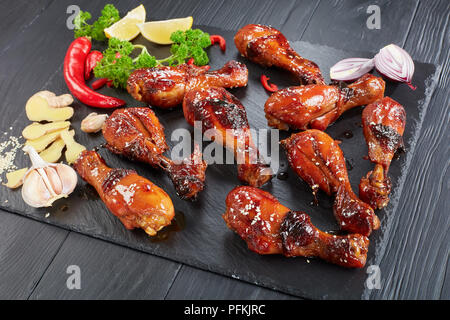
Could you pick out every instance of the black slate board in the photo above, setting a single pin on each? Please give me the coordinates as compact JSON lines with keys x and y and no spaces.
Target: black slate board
{"x":199,"y":236}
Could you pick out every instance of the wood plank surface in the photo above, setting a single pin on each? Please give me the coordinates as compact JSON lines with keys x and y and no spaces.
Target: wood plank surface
{"x":107,"y":271}
{"x":27,"y":248}
{"x":342,"y":24}
{"x":18,"y":18}
{"x":415,"y":263}
{"x":193,"y":283}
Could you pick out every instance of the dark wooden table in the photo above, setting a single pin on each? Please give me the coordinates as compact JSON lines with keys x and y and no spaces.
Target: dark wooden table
{"x":34,"y":256}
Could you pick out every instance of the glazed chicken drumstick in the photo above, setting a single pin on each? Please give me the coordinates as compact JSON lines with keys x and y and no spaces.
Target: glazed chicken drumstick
{"x":268,"y":227}
{"x":136,"y":201}
{"x":383,"y":125}
{"x":319,"y":161}
{"x":268,"y":47}
{"x":137,"y":134}
{"x":224,"y":117}
{"x":165,"y":86}
{"x":316,"y":106}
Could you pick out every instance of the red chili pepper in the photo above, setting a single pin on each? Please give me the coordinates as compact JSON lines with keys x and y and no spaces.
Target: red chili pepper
{"x":74,"y":63}
{"x":269,"y":87}
{"x":117,"y":56}
{"x":99,"y":83}
{"x":191,"y":63}
{"x":220,"y":40}
{"x":413,"y":87}
{"x":109,"y":83}
{"x":91,"y":61}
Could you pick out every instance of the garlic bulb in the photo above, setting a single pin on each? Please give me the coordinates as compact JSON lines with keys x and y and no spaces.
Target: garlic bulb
{"x":46,"y":182}
{"x":93,"y":122}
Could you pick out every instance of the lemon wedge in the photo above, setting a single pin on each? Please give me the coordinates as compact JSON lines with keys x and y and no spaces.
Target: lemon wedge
{"x":126,"y":28}
{"x":160,"y":31}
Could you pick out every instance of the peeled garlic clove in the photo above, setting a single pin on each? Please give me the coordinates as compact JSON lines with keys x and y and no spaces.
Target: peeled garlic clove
{"x":60,"y":101}
{"x":55,"y":101}
{"x":54,"y":179}
{"x":93,"y":122}
{"x":68,"y":178}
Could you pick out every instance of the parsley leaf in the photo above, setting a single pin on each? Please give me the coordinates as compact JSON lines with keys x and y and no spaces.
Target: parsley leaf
{"x":82,"y":28}
{"x":190,"y":44}
{"x":116,"y":65}
{"x":109,"y":16}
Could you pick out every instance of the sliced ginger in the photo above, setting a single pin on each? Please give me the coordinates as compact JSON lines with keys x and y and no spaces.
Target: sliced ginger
{"x":46,"y":106}
{"x":73,"y":148}
{"x":41,"y":143}
{"x":37,"y":130}
{"x":38,"y":109}
{"x":55,"y":101}
{"x":54,"y":152}
{"x":15,"y":178}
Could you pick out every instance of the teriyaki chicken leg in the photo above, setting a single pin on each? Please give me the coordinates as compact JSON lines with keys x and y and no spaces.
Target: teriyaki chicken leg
{"x":224,"y":117}
{"x":137,"y":134}
{"x":316,"y":106}
{"x":267,"y":46}
{"x":166,"y":86}
{"x":383,"y":126}
{"x":319,"y":161}
{"x":136,"y":201}
{"x":268,"y":227}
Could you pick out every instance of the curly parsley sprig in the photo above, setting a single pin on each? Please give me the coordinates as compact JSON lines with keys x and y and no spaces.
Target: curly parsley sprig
{"x":189,"y":44}
{"x":117,"y":65}
{"x":109,"y":16}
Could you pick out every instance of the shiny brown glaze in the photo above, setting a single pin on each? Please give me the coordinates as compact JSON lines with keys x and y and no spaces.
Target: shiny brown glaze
{"x":317,"y":106}
{"x":224,"y":120}
{"x":268,"y":47}
{"x":268,"y":227}
{"x":137,"y":134}
{"x":188,"y":175}
{"x":318,"y":160}
{"x":166,"y":86}
{"x":383,"y":126}
{"x":136,"y":201}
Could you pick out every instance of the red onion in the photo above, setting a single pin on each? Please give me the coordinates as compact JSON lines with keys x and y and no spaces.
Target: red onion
{"x":391,"y":61}
{"x":395,"y":63}
{"x":351,"y":69}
